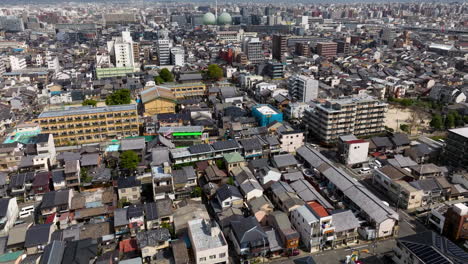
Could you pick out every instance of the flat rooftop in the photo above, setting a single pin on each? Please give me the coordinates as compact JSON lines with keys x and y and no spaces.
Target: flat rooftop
{"x":202,"y":238}
{"x":266,"y":110}
{"x":463,"y":131}
{"x":87,"y":110}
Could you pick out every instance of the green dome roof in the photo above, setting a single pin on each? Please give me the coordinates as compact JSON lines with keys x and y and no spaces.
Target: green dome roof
{"x":209,"y":19}
{"x":225,"y":19}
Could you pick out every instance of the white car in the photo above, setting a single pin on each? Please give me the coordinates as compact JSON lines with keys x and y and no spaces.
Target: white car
{"x":364,"y":170}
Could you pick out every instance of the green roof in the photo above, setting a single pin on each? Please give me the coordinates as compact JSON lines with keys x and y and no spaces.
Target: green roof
{"x":233,"y":157}
{"x":9,"y":257}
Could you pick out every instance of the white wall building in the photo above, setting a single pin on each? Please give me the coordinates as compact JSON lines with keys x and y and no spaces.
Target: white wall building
{"x":208,"y":242}
{"x":303,"y":88}
{"x":353,"y":150}
{"x":53,"y":64}
{"x":177,"y":56}
{"x":121,"y":49}
{"x":17,"y":63}
{"x":8,"y":214}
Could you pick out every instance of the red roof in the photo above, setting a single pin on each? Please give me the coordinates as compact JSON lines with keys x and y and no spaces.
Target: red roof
{"x":128,"y":245}
{"x":50,"y":219}
{"x":318,"y":209}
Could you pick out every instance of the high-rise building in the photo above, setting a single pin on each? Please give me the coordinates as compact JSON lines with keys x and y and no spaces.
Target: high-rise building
{"x":53,"y":64}
{"x":274,"y":70}
{"x":252,"y":47}
{"x":456,"y":148}
{"x":342,"y":47}
{"x":163,"y":48}
{"x":303,"y":88}
{"x":327,"y":49}
{"x":177,"y":56}
{"x":279,"y":46}
{"x":363,"y":115}
{"x":121,"y":51}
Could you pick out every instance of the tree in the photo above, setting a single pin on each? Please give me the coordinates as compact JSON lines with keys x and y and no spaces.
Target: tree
{"x":119,"y":97}
{"x":450,"y":121}
{"x":436,"y":122}
{"x":89,"y":102}
{"x":197,"y":192}
{"x":129,"y":160}
{"x":166,"y":75}
{"x":158,"y":80}
{"x":230,"y":181}
{"x":215,"y":72}
{"x":404,"y":127}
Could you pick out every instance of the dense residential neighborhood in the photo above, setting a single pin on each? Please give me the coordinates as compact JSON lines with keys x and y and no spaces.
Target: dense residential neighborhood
{"x":251,"y":132}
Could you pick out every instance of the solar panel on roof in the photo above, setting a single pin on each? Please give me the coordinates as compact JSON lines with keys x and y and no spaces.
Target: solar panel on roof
{"x":202,"y":148}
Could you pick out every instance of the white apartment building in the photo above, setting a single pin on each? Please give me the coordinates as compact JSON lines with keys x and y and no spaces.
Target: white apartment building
{"x":360,"y":116}
{"x":296,"y":110}
{"x":177,"y":56}
{"x":248,"y":81}
{"x":53,"y":64}
{"x":17,"y":63}
{"x":208,"y":242}
{"x":291,"y":140}
{"x":121,"y":50}
{"x":303,"y":88}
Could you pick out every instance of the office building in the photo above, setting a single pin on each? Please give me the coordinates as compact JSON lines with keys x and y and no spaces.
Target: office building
{"x":163,"y":47}
{"x":121,"y":51}
{"x":274,"y":70}
{"x":360,"y":116}
{"x":81,"y":125}
{"x":266,"y":114}
{"x":208,"y":242}
{"x":303,"y":88}
{"x":327,"y":49}
{"x":120,"y":19}
{"x":279,"y":46}
{"x":456,"y":222}
{"x":177,"y":56}
{"x":342,"y":47}
{"x":456,"y":148}
{"x":252,"y":47}
{"x":303,"y":49}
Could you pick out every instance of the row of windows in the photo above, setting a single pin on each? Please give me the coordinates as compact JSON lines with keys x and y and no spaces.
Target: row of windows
{"x":221,"y":255}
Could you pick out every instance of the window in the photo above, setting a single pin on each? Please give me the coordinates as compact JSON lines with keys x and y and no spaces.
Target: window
{"x":212,"y":256}
{"x":122,"y":190}
{"x":203,"y":259}
{"x":222,"y":255}
{"x":134,"y":189}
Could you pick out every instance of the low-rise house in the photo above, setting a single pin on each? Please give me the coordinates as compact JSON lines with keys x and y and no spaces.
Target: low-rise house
{"x":136,"y":219}
{"x":424,"y":171}
{"x":121,"y":223}
{"x":90,"y":161}
{"x":152,"y":241}
{"x":308,"y":193}
{"x":80,"y":251}
{"x":72,"y":173}
{"x":56,"y":202}
{"x":290,"y":140}
{"x":381,"y":144}
{"x":129,"y":189}
{"x":158,"y":212}
{"x":58,"y":179}
{"x":21,"y":183}
{"x":233,"y":160}
{"x":41,"y":183}
{"x":184,"y":180}
{"x":346,"y":228}
{"x":432,"y":191}
{"x":248,"y":185}
{"x":213,"y":174}
{"x":268,"y":175}
{"x":436,"y":217}
{"x":284,"y":162}
{"x":8,"y":214}
{"x":180,"y":252}
{"x":186,"y":212}
{"x":163,"y":184}
{"x":137,"y":145}
{"x":37,"y":237}
{"x":400,"y":142}
{"x":284,"y":197}
{"x":10,"y":156}
{"x":260,"y":207}
{"x":400,"y":161}
{"x":208,"y":242}
{"x":17,"y":236}
{"x":252,"y":148}
{"x":280,"y":222}
{"x":249,"y":238}
{"x":228,"y":196}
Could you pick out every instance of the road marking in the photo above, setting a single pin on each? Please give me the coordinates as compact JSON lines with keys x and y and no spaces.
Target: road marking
{"x":407,"y":215}
{"x":356,"y":247}
{"x":413,"y":226}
